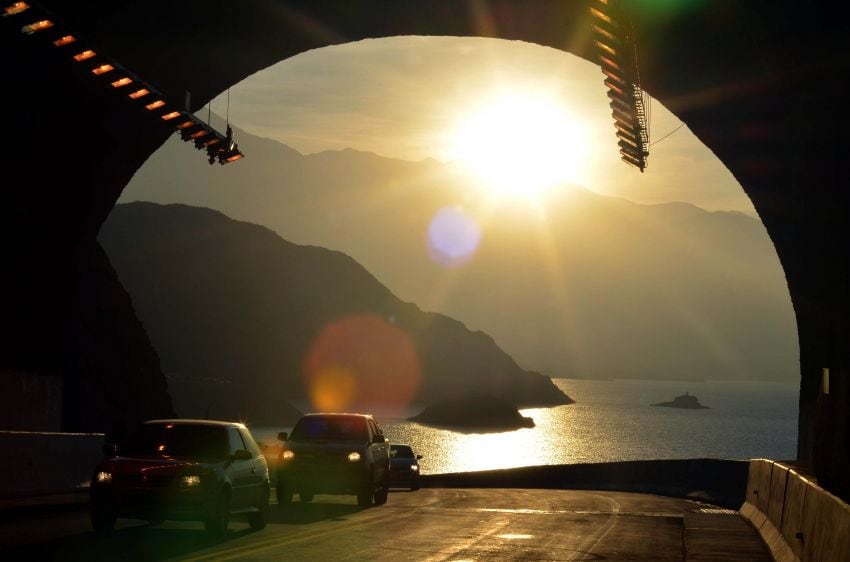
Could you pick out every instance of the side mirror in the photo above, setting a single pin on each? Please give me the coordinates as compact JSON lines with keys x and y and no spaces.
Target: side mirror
{"x":110,"y":450}
{"x":242,"y":455}
{"x":419,"y":457}
{"x":378,"y":438}
{"x":283,"y":436}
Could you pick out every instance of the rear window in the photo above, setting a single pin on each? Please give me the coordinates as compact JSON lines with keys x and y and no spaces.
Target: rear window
{"x":401,"y":452}
{"x":178,"y":440}
{"x":336,"y":429}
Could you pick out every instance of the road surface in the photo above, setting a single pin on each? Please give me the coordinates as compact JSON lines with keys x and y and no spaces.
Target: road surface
{"x":427,"y":525}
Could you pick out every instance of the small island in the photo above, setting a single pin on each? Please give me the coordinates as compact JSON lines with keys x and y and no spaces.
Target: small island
{"x":685,"y":401}
{"x":474,"y":413}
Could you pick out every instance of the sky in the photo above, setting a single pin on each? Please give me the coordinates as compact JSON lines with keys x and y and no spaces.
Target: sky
{"x":407,"y":97}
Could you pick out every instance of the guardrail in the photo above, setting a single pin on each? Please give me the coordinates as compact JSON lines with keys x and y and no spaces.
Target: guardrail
{"x":35,"y":463}
{"x":718,"y":481}
{"x":798,"y":520}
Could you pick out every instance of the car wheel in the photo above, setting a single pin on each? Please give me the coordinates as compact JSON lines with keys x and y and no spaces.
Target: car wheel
{"x":366,"y":493}
{"x":216,"y":523}
{"x":306,"y":497}
{"x":381,"y":496}
{"x":283,"y":492}
{"x":257,"y":520}
{"x":102,"y":520}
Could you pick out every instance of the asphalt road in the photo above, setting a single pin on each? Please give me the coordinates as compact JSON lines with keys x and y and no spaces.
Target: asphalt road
{"x":430,"y":525}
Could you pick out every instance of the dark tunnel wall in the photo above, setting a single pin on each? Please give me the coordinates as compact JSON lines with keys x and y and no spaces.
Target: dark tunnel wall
{"x":761,"y":84}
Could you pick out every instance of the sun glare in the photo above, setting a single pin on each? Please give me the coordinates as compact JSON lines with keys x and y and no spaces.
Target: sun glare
{"x":521,"y":145}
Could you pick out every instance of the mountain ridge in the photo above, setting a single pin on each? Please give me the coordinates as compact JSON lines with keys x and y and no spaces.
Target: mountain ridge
{"x":233,"y":301}
{"x":597,"y":287}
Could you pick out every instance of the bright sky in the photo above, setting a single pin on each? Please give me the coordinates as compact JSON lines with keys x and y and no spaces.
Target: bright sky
{"x":413,"y":97}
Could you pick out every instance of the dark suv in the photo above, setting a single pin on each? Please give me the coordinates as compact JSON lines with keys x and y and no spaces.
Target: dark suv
{"x":334,"y":454}
{"x":185,"y":470}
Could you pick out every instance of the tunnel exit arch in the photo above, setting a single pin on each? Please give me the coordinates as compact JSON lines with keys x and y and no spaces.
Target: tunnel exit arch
{"x":761,"y":92}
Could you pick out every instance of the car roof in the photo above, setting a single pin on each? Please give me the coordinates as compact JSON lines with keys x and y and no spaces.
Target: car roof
{"x":336,"y":415}
{"x":218,"y":423}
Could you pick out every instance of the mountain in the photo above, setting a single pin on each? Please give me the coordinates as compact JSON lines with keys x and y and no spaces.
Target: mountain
{"x":245,"y":322}
{"x":588,"y":286}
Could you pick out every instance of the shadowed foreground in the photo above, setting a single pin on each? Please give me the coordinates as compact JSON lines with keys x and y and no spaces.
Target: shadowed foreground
{"x":431,"y":524}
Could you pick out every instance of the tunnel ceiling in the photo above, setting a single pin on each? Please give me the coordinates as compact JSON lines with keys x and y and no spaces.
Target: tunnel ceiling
{"x":756,"y":84}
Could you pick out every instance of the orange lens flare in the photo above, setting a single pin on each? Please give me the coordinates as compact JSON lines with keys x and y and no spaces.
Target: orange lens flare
{"x":184,"y":124}
{"x":362,"y":361}
{"x":155,"y":105}
{"x":170,"y":116}
{"x":234,"y":158}
{"x":333,"y":389}
{"x":139,"y":93}
{"x":102,"y":69}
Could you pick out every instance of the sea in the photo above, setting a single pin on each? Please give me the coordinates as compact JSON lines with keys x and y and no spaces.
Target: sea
{"x":614,"y":420}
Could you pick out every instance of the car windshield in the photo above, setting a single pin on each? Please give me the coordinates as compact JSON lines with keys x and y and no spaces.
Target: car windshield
{"x":401,"y":452}
{"x":178,"y":440}
{"x":338,"y":429}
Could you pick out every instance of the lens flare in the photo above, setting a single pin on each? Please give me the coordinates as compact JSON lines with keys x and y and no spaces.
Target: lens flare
{"x":453,"y":237}
{"x":362,"y":361}
{"x":333,"y":389}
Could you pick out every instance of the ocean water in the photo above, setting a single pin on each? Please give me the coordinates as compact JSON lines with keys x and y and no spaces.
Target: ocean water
{"x":613,"y":420}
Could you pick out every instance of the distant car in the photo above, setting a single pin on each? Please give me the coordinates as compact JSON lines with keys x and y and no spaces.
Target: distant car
{"x":334,"y":454}
{"x":404,"y":467}
{"x":188,"y":470}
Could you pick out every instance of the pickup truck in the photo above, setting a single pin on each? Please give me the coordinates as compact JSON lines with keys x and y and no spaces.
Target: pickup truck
{"x":334,"y":454}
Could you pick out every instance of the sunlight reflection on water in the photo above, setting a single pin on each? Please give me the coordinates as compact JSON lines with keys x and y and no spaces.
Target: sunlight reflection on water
{"x":613,"y":420}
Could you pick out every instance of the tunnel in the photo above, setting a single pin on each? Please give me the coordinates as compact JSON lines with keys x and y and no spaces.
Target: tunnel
{"x":761,"y":85}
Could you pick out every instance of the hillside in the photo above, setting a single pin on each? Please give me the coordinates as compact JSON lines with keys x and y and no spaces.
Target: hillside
{"x":255,"y":321}
{"x":592,"y":286}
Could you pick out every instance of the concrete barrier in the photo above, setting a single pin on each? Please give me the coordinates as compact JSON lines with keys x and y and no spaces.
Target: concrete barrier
{"x":798,"y":520}
{"x":47,"y":463}
{"x":792,"y":513}
{"x":722,"y":482}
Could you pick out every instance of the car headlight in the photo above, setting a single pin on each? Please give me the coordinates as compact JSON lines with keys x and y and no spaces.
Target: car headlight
{"x":354,"y":457}
{"x":189,"y":481}
{"x":103,"y":477}
{"x":287,"y":455}
{"x":414,"y":468}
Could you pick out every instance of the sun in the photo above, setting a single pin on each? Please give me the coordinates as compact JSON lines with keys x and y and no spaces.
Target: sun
{"x":520,"y":145}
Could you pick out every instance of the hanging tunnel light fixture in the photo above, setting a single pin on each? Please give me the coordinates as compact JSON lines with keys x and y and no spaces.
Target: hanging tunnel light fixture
{"x":102,"y":69}
{"x":65,"y":40}
{"x":84,"y":55}
{"x":36,"y":26}
{"x":615,"y":46}
{"x":121,"y":82}
{"x":40,"y":23}
{"x":15,"y":8}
